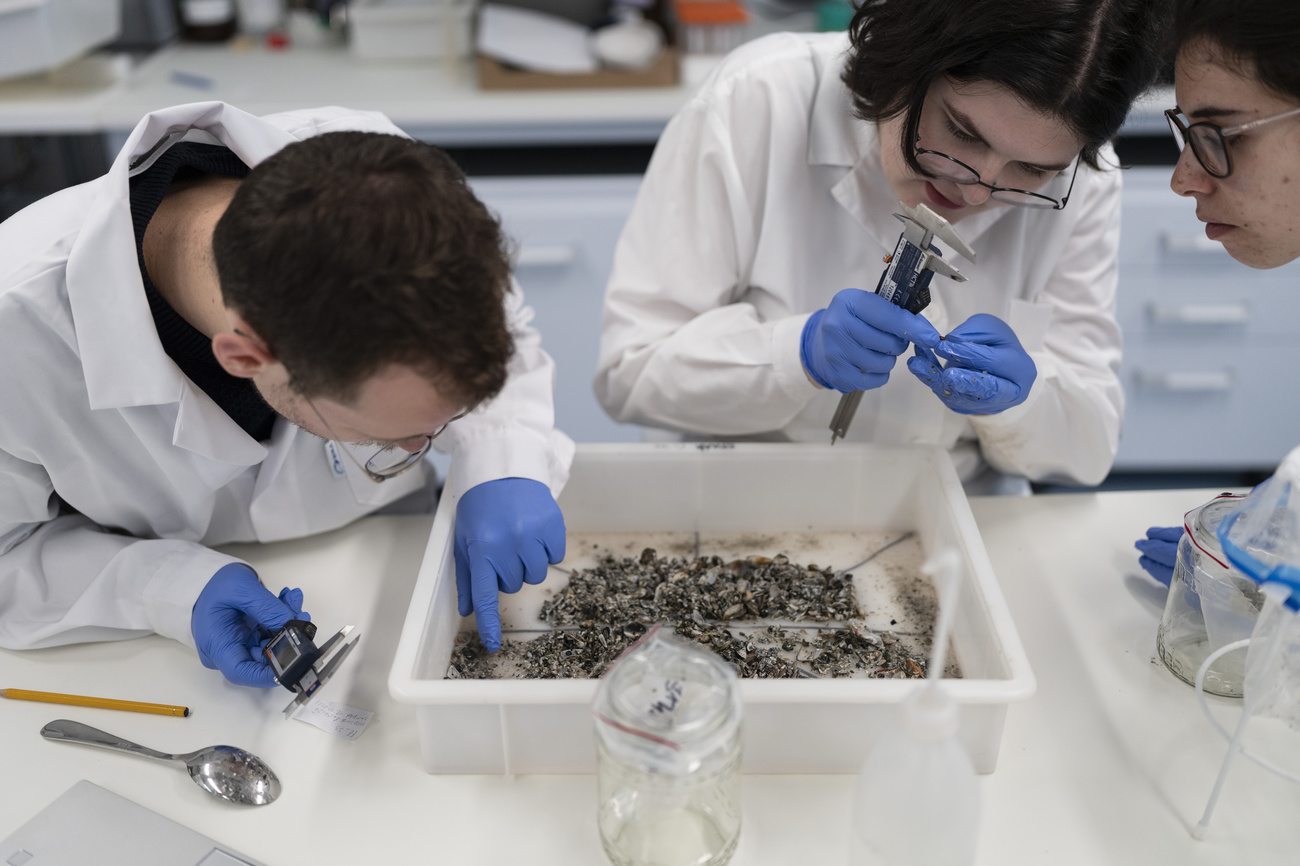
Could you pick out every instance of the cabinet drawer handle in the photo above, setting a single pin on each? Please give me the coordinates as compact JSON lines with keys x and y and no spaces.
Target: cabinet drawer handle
{"x":1200,"y":314}
{"x":1186,"y":381}
{"x":1193,"y":247}
{"x":543,"y":256}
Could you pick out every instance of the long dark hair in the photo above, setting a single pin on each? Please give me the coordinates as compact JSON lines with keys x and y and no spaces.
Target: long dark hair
{"x":1259,"y":37}
{"x":1084,"y":61}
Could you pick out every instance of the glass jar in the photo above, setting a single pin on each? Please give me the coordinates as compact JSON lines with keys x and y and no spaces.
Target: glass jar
{"x":1210,"y":604}
{"x":668,"y":737}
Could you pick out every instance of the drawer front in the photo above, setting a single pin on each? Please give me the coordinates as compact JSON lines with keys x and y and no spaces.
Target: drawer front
{"x":1160,"y":227}
{"x":1208,"y":312}
{"x":1226,"y":408}
{"x":1161,"y":236}
{"x":1175,"y":282}
{"x":564,"y":230}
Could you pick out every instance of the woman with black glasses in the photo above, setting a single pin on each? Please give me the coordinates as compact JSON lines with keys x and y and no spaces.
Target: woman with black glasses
{"x":1238,"y":121}
{"x":1237,"y":79}
{"x":741,"y":304}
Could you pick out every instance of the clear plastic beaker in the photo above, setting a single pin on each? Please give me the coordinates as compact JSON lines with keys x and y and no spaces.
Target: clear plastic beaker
{"x":668,"y":756}
{"x":1210,"y":604}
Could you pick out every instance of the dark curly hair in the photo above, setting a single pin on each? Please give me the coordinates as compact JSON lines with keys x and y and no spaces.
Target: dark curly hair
{"x":352,"y":251}
{"x":1261,"y":38}
{"x":1084,"y":61}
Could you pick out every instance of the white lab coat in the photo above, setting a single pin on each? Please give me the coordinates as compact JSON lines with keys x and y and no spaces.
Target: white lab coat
{"x":94,"y":413}
{"x":765,"y":196}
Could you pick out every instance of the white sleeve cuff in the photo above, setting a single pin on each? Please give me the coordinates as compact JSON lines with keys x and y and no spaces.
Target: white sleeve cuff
{"x":170,"y":595}
{"x":786,"y":358}
{"x":511,"y":453}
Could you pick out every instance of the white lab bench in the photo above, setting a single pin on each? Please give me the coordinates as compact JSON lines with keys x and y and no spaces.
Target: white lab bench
{"x":1110,"y":762}
{"x":1205,"y":337}
{"x":432,"y":100}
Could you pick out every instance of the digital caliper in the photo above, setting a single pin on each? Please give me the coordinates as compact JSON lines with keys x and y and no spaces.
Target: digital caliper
{"x":906,"y":280}
{"x":301,"y":666}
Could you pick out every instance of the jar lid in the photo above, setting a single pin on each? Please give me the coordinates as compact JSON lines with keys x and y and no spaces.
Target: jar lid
{"x":1202,"y":524}
{"x":667,"y":703}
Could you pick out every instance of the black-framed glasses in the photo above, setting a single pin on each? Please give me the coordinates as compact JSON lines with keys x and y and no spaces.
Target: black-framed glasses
{"x":391,"y":459}
{"x":1209,"y":141}
{"x":941,"y":165}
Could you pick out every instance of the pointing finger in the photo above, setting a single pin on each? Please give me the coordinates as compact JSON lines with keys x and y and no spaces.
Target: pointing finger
{"x":483,"y":580}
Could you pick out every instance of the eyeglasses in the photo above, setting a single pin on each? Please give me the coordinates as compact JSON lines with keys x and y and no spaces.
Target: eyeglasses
{"x":390,"y":460}
{"x":942,"y":166}
{"x":1210,"y":142}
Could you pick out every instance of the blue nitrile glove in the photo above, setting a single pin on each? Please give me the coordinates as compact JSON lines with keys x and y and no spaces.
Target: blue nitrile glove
{"x":507,"y":532}
{"x":987,"y":371}
{"x":228,"y":622}
{"x":1160,"y":551}
{"x":853,"y":343}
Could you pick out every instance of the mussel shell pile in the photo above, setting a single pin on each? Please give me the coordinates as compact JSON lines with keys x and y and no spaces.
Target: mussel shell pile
{"x":768,"y":617}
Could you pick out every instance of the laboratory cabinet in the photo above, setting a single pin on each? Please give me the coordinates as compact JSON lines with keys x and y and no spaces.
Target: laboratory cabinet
{"x":1211,"y":347}
{"x":564,"y":230}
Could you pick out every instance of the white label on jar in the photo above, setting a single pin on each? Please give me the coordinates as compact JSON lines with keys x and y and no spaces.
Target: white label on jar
{"x":201,"y":13}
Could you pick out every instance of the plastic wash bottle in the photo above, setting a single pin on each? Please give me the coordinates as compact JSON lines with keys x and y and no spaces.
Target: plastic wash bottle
{"x":917,"y":799}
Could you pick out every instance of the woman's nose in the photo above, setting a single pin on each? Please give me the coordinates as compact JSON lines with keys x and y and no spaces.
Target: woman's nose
{"x":974,"y":194}
{"x":1189,"y":175}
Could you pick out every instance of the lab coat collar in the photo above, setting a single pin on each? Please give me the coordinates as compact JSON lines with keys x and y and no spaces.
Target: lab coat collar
{"x":123,"y":359}
{"x":203,"y":428}
{"x":837,"y":137}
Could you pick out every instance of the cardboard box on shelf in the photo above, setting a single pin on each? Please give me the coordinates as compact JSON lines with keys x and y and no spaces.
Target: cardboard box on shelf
{"x":494,"y":75}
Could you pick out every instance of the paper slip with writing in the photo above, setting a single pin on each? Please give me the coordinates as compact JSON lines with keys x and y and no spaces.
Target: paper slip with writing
{"x":337,"y":719}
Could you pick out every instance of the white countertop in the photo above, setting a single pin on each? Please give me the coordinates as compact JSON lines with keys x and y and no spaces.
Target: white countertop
{"x":1111,"y":761}
{"x":430,"y":99}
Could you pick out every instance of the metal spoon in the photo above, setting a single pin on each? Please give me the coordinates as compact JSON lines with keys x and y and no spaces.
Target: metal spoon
{"x":225,"y":771}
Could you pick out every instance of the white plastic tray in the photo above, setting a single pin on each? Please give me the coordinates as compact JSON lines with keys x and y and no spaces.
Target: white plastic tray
{"x":791,"y":726}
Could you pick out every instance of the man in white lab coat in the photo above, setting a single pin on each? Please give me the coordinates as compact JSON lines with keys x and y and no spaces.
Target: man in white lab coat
{"x":768,"y":207}
{"x":252,"y":329}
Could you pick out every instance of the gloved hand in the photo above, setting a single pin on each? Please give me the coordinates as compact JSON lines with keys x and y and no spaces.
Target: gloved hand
{"x":987,"y":371}
{"x":228,"y":622}
{"x":853,"y":343}
{"x":1160,"y":551}
{"x":507,"y":531}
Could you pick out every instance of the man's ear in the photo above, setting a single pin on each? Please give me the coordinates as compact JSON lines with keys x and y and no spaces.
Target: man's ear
{"x":240,"y":351}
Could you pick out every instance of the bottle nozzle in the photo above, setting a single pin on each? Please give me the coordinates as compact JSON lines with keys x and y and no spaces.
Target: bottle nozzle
{"x":944,"y":571}
{"x":930,"y":713}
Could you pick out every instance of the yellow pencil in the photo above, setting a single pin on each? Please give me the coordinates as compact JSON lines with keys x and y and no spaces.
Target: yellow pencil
{"x":102,"y":703}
